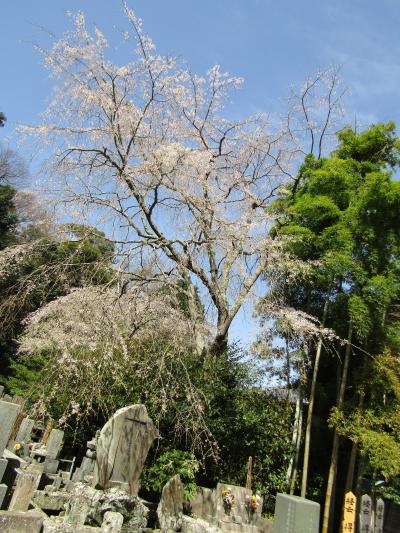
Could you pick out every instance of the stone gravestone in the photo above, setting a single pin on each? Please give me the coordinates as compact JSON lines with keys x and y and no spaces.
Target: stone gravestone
{"x":25,"y":430}
{"x":238,"y":513}
{"x":122,"y":449}
{"x":8,"y":415}
{"x":365,"y":514}
{"x":295,"y":515}
{"x":17,"y":522}
{"x":26,"y":485}
{"x":53,"y":448}
{"x":379,"y":514}
{"x":54,"y":443}
{"x":170,"y":508}
{"x":88,"y":462}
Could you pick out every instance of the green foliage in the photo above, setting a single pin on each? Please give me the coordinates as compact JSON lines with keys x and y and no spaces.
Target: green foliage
{"x":378,"y":145}
{"x":2,"y":119}
{"x":8,"y":216}
{"x":360,"y":316}
{"x":315,"y":212}
{"x":392,"y":491}
{"x":343,"y":213}
{"x":166,"y":466}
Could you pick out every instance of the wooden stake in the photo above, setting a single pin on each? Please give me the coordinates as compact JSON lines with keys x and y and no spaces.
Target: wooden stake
{"x":249,"y":473}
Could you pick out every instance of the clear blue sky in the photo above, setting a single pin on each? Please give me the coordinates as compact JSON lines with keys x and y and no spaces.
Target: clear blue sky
{"x":270,"y":43}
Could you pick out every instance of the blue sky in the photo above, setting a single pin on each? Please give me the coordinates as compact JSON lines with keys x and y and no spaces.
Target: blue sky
{"x":270,"y":44}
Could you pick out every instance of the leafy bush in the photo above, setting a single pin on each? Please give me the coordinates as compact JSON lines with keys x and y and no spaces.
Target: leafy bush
{"x":168,"y":465}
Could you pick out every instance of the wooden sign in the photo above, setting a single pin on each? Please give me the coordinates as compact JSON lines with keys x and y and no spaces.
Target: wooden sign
{"x":349,"y":513}
{"x":379,"y":512}
{"x":365,"y":514}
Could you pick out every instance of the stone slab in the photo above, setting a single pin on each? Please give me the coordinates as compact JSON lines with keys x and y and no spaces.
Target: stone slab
{"x":25,"y":486}
{"x":77,"y":510}
{"x":8,"y":415}
{"x":19,"y":522}
{"x":239,"y":507}
{"x":170,"y":508}
{"x":55,"y":526}
{"x":54,"y":443}
{"x":3,"y":466}
{"x":295,"y":515}
{"x":122,"y":449}
{"x":237,"y":528}
{"x":3,"y":492}
{"x":50,"y":501}
{"x":203,"y":504}
{"x":50,"y":466}
{"x":25,"y":430}
{"x":196,"y":525}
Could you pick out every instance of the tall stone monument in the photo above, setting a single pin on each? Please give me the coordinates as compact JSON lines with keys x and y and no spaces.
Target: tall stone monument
{"x":8,"y":415}
{"x":122,"y":449}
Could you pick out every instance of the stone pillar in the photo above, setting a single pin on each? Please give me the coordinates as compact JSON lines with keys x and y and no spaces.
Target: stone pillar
{"x":25,"y":430}
{"x":8,"y":415}
{"x":26,"y":485}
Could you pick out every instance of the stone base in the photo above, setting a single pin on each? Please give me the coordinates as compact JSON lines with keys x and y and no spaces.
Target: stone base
{"x":19,"y":522}
{"x":232,"y":527}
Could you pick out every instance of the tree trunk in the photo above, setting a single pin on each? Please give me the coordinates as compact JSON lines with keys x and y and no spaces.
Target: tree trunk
{"x":297,"y":439}
{"x":289,"y":473}
{"x":351,"y":467}
{"x":354,"y":447}
{"x":335,"y":447}
{"x":219,"y":344}
{"x":310,"y":410}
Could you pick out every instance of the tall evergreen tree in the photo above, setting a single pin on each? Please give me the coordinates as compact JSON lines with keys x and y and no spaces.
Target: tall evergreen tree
{"x":343,"y":213}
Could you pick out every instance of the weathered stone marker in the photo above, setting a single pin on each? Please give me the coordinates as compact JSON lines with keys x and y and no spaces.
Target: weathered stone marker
{"x":295,"y":515}
{"x":54,"y":443}
{"x":16,"y":522}
{"x":77,"y":510}
{"x":25,"y":430}
{"x":25,"y":486}
{"x":122,"y":449}
{"x":170,"y":508}
{"x":8,"y":415}
{"x":366,"y":514}
{"x":379,"y":513}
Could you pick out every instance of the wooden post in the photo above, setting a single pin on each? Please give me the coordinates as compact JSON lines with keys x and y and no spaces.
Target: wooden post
{"x":47,"y":431}
{"x":17,"y":424}
{"x":249,"y":473}
{"x":349,"y":513}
